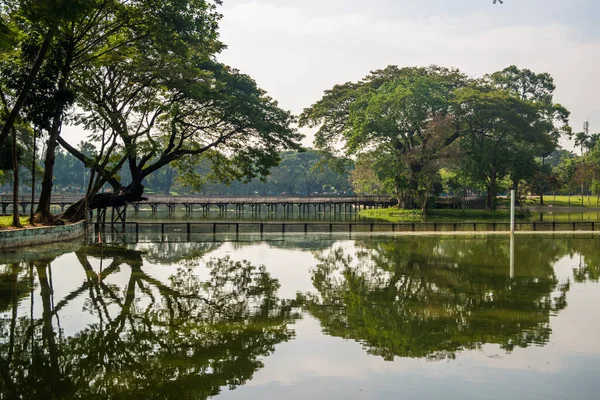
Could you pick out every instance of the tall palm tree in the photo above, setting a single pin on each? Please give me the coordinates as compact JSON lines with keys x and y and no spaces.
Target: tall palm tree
{"x":581,"y":140}
{"x":593,"y":141}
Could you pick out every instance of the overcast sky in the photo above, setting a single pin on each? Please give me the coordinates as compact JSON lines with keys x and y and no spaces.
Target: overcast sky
{"x":296,"y":49}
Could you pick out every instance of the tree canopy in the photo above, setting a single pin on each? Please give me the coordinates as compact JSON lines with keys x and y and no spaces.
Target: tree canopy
{"x":143,"y":77}
{"x":417,"y":121}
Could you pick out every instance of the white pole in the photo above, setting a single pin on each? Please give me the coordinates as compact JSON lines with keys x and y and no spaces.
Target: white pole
{"x":512,"y":255}
{"x":513,"y":194}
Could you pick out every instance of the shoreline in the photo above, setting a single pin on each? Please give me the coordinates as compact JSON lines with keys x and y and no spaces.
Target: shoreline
{"x":12,"y":239}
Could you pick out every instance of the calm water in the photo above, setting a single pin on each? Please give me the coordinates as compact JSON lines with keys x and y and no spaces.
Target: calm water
{"x":304,"y":317}
{"x":180,"y":216}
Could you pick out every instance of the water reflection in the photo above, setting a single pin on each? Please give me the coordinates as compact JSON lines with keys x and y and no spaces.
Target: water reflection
{"x":430,"y":298}
{"x":150,"y":339}
{"x":539,"y":214}
{"x":588,"y":255}
{"x":186,"y":320}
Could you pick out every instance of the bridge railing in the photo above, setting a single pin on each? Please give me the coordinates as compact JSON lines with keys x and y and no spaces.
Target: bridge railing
{"x":190,"y":231}
{"x":8,"y":198}
{"x":68,"y":198}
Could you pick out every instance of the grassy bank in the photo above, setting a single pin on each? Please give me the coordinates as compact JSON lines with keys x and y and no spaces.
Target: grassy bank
{"x":395,"y":214}
{"x":6,"y":221}
{"x":563,"y":201}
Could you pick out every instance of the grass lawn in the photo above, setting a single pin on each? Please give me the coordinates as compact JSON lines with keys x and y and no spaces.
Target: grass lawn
{"x":395,"y":214}
{"x":392,"y":212}
{"x":6,"y":221}
{"x":563,"y":201}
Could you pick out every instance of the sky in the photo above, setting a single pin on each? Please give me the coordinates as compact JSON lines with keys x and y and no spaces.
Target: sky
{"x":296,"y":49}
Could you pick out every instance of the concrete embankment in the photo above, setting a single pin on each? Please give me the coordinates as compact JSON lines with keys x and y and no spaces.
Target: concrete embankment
{"x":16,"y":238}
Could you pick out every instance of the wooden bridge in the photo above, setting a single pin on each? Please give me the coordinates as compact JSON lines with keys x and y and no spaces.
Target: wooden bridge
{"x":6,"y":202}
{"x":252,"y":204}
{"x":269,"y":204}
{"x":238,"y":204}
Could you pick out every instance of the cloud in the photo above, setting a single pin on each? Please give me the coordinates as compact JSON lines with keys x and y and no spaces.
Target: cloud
{"x":296,"y":53}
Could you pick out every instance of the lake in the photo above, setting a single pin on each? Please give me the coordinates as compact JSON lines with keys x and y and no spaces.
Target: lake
{"x":180,"y":216}
{"x":304,"y":317}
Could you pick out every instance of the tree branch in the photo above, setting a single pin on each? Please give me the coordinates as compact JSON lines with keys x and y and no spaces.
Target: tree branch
{"x":87,"y":161}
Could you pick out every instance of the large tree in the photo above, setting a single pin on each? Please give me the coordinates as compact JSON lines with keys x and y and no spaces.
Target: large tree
{"x":397,"y":113}
{"x":144,"y":74}
{"x":21,"y":22}
{"x":552,"y":121}
{"x":91,"y":33}
{"x":511,"y":120}
{"x":155,"y":115}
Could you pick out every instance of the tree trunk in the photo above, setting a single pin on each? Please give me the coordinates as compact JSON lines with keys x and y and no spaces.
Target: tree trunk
{"x":131,"y":194}
{"x":12,"y":117}
{"x":16,"y":222}
{"x":489,"y":200}
{"x":542,"y":199}
{"x":413,"y":183}
{"x":33,"y":164}
{"x":407,"y":202}
{"x":168,"y":181}
{"x":43,"y":209}
{"x":424,"y":201}
{"x":43,"y":214}
{"x":399,"y":195}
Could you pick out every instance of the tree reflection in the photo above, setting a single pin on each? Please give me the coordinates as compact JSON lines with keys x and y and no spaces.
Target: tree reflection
{"x":588,"y":268}
{"x":183,"y":338}
{"x":431,"y":297}
{"x":177,"y":252}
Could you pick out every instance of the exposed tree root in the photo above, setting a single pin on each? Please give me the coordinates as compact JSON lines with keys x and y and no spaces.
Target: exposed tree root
{"x":48,"y":220}
{"x":76,"y":212}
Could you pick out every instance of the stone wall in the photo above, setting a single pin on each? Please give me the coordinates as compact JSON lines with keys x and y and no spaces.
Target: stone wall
{"x":11,"y":239}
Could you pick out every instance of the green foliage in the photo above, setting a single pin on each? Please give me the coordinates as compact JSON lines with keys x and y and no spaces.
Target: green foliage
{"x":396,"y":114}
{"x":417,"y":121}
{"x":6,"y":36}
{"x":298,"y":173}
{"x":556,"y":157}
{"x":144,"y":79}
{"x":205,"y":114}
{"x":24,"y":139}
{"x":394,"y":214}
{"x":6,"y":221}
{"x":364,"y":178}
{"x":510,"y":120}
